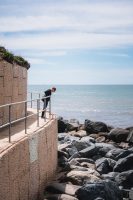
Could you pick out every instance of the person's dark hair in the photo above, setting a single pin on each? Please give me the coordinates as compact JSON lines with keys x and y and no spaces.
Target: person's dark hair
{"x":54,"y":88}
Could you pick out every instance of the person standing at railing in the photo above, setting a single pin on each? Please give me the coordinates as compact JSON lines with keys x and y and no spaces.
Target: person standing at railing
{"x":46,"y":99}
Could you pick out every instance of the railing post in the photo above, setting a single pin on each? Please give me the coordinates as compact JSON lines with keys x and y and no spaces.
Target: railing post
{"x":50,"y":109}
{"x":10,"y":123}
{"x":31,"y":96}
{"x":38,"y":112}
{"x":45,"y":109}
{"x":39,"y":100}
{"x":25,"y":117}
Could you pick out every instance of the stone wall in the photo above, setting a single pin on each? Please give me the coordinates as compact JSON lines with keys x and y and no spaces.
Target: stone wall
{"x":13,"y":88}
{"x":29,"y":165}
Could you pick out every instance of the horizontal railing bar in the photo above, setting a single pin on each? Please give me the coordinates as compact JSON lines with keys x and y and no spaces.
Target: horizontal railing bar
{"x":22,"y":118}
{"x":16,"y":103}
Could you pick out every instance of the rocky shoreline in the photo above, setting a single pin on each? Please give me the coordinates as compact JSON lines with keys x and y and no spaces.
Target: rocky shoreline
{"x":95,"y":162}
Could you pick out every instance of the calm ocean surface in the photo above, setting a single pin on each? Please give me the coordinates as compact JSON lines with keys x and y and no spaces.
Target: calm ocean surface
{"x":112,"y":104}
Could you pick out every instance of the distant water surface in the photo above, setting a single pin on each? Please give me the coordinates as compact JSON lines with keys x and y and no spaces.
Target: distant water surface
{"x":112,"y":104}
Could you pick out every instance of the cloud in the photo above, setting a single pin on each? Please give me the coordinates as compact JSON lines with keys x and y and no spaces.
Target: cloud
{"x":66,"y":41}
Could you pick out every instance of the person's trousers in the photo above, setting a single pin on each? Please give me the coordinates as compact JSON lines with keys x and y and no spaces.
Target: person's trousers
{"x":44,"y":107}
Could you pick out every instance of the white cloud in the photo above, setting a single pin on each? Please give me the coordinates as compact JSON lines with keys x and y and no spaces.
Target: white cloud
{"x":66,"y":41}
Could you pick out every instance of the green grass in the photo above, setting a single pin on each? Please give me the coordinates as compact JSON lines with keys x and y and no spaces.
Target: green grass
{"x":9,"y":57}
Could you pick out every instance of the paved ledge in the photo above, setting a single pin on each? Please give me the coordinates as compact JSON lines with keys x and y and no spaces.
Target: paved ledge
{"x":18,"y":131}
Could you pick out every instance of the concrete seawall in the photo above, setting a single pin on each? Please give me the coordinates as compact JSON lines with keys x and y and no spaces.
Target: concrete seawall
{"x":29,"y":165}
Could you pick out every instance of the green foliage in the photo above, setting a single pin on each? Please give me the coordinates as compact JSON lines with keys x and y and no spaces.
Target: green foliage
{"x":20,"y":61}
{"x":9,"y":57}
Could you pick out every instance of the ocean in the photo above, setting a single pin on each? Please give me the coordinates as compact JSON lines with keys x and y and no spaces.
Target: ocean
{"x":112,"y":104}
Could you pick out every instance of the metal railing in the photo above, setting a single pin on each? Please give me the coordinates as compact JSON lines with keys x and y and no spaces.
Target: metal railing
{"x":26,"y":116}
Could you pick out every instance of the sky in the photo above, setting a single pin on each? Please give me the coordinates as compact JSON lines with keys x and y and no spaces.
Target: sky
{"x":71,"y":41}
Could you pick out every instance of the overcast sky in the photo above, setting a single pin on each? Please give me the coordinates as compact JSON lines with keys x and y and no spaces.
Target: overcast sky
{"x":71,"y":41}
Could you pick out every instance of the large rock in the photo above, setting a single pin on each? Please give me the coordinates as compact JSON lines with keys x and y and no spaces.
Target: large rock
{"x":62,"y":125}
{"x":107,"y":190}
{"x":83,"y":143}
{"x":124,"y":154}
{"x":95,"y":127}
{"x":89,"y":151}
{"x":125,"y":179}
{"x":72,"y":125}
{"x":118,"y":135}
{"x":114,"y":153}
{"x":59,"y":197}
{"x":124,"y":164}
{"x":62,"y":188}
{"x":80,"y":133}
{"x":130,"y":137}
{"x":61,"y":136}
{"x":104,"y":165}
{"x":80,"y":177}
{"x":110,"y":176}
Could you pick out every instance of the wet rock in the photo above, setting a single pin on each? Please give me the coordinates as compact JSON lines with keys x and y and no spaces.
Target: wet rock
{"x":124,"y":154}
{"x":62,"y":147}
{"x":124,"y":164}
{"x":83,"y":143}
{"x":62,"y":153}
{"x":63,"y":188}
{"x":110,"y":176}
{"x":130,"y":137}
{"x":104,"y":148}
{"x":89,"y":151}
{"x":71,"y":151}
{"x":125,"y":179}
{"x":61,"y":136}
{"x":105,"y":165}
{"x":61,"y":125}
{"x":107,"y":190}
{"x":79,"y":177}
{"x":95,"y":127}
{"x":59,"y":197}
{"x":70,"y":139}
{"x":87,"y":160}
{"x":80,"y":133}
{"x":78,"y":168}
{"x":88,"y":165}
{"x":114,"y":153}
{"x":100,"y":139}
{"x":118,"y":135}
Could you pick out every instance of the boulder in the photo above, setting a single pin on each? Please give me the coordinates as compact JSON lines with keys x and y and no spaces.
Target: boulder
{"x":83,"y":143}
{"x":124,"y":164}
{"x":124,"y":154}
{"x":87,"y":160}
{"x":101,"y":139}
{"x":130,"y":137}
{"x":118,"y":135}
{"x":62,"y":125}
{"x":59,"y":197}
{"x":80,"y":133}
{"x":69,"y":139}
{"x":80,"y":177}
{"x":61,"y":136}
{"x":104,"y":165}
{"x":114,"y":153}
{"x":62,"y":188}
{"x":125,"y":179}
{"x":89,"y":151}
{"x":110,"y":176}
{"x":95,"y":127}
{"x":107,"y":190}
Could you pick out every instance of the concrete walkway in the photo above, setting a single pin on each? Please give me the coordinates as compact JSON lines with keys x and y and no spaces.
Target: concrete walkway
{"x":18,"y":130}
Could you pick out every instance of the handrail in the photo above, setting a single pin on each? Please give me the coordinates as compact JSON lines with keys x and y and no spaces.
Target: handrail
{"x":37,"y":100}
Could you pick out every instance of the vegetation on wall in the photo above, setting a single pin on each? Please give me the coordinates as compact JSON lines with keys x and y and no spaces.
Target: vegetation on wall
{"x":9,"y":57}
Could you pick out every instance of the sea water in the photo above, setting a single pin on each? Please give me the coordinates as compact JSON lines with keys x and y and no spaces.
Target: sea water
{"x":112,"y":104}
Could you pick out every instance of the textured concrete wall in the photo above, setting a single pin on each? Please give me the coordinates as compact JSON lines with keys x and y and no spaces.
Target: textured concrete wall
{"x":13,"y":88}
{"x":28,"y":166}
